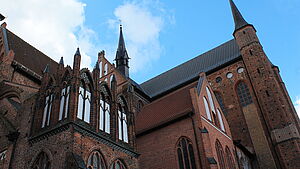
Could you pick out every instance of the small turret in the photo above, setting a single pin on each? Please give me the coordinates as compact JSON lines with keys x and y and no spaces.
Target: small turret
{"x":122,"y":56}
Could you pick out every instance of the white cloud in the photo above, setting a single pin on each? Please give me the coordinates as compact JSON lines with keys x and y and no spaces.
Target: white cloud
{"x":297,"y":106}
{"x":56,"y":27}
{"x":141,"y":30}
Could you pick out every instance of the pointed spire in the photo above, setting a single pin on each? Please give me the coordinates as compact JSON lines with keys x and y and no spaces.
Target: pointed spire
{"x":77,"y":52}
{"x":121,"y":51}
{"x":47,"y":69}
{"x":237,"y":16}
{"x":61,"y":61}
{"x":122,"y":56}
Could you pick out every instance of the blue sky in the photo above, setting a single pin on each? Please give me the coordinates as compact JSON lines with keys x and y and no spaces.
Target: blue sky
{"x":159,"y":34}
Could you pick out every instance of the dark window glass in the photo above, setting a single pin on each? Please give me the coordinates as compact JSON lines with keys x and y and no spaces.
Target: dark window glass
{"x":191,"y":152}
{"x":244,"y":94}
{"x":96,"y":161}
{"x":221,"y":102}
{"x":229,"y":159}
{"x":218,"y":79}
{"x":41,"y":162}
{"x":117,"y":165}
{"x":220,"y":155}
{"x":186,"y":157}
{"x":180,"y":160}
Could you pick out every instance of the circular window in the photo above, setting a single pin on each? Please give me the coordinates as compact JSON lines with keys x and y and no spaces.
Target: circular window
{"x":218,"y":79}
{"x":240,"y":70}
{"x":229,"y":75}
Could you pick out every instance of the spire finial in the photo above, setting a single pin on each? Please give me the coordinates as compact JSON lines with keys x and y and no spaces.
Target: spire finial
{"x":237,"y":16}
{"x":47,"y":69}
{"x":77,"y":52}
{"x":61,"y":60}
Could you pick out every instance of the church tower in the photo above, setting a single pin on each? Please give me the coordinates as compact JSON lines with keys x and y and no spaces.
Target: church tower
{"x":274,"y":107}
{"x":122,"y":56}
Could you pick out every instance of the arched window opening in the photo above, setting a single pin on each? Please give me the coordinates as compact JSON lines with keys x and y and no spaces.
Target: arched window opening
{"x":47,"y":109}
{"x":84,"y":102}
{"x":96,"y":161}
{"x":41,"y":162}
{"x":229,"y":159}
{"x":110,"y":80}
{"x":210,"y":99}
{"x":140,"y":105}
{"x":244,"y":94}
{"x":117,"y":165}
{"x":185,"y":152}
{"x":105,"y":69}
{"x":104,"y":121}
{"x":220,"y":154}
{"x":220,"y":101}
{"x":100,"y":67}
{"x":207,"y":109}
{"x":221,"y":120}
{"x":64,"y":102}
{"x":122,"y":123}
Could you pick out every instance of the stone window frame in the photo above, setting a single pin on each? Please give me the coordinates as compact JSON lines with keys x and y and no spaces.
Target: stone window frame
{"x":42,"y":161}
{"x":243,"y":93}
{"x":220,"y":154}
{"x":104,"y":112}
{"x":48,"y":106}
{"x":84,"y":95}
{"x":96,"y":164}
{"x":185,"y":154}
{"x":122,"y":115}
{"x":118,"y":163}
{"x":64,"y":101}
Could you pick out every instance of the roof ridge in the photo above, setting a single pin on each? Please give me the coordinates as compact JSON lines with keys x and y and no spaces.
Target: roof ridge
{"x":187,"y":61}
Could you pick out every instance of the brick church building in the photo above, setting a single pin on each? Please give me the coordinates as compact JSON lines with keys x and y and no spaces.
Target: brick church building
{"x":227,"y":108}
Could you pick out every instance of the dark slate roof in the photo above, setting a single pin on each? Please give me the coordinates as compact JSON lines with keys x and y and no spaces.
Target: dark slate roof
{"x":29,"y":56}
{"x":191,"y":69}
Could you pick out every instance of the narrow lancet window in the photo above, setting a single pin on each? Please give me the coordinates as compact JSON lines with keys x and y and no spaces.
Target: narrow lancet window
{"x":47,"y":110}
{"x":104,"y":121}
{"x":84,"y":103}
{"x":64,"y":103}
{"x":122,"y":124}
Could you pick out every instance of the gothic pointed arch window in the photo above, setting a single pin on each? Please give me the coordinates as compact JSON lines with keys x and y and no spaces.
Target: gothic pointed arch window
{"x":220,"y":120}
{"x":64,"y":101}
{"x":117,"y":165}
{"x":185,"y":153}
{"x":122,"y":120}
{"x":210,"y":99}
{"x":229,"y":158}
{"x":220,"y":101}
{"x":41,"y":162}
{"x":104,"y":110}
{"x":96,"y":161}
{"x":84,"y":99}
{"x":111,"y":79}
{"x":207,"y":109}
{"x":243,"y":93}
{"x":220,"y":154}
{"x":47,"y":108}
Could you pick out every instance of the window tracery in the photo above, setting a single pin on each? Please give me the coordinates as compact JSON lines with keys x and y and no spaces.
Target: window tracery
{"x":244,"y":94}
{"x":96,"y":161}
{"x":41,"y":162}
{"x":64,"y":102}
{"x":84,"y":102}
{"x":117,"y":165}
{"x":104,"y":121}
{"x":47,"y":109}
{"x":122,"y":121}
{"x":220,"y":154}
{"x":185,"y":152}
